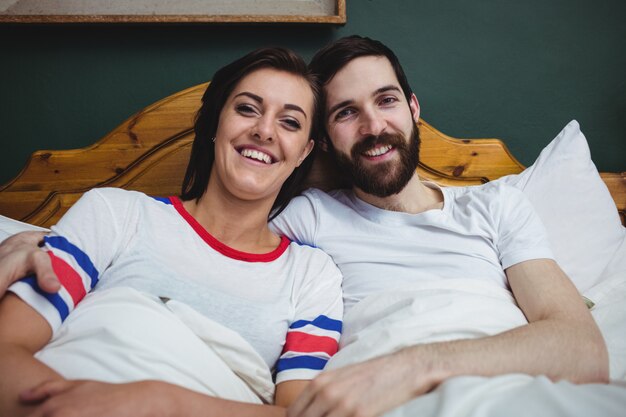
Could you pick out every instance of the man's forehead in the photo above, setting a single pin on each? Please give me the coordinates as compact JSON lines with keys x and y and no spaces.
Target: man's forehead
{"x":361,"y":76}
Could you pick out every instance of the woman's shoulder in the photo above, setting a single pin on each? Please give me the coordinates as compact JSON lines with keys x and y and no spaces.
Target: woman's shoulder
{"x":313,"y":262}
{"x":120,"y":195}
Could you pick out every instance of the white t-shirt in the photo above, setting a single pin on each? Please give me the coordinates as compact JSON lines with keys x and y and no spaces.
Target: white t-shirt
{"x":287,"y":300}
{"x":479,"y":232}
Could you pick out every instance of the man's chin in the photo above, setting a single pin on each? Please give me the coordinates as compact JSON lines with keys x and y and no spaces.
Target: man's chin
{"x":370,"y":182}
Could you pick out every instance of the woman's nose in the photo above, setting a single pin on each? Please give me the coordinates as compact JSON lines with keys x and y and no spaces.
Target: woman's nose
{"x":264,"y":129}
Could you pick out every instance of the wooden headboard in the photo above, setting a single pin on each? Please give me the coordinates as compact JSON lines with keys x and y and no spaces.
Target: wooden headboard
{"x":149,"y":153}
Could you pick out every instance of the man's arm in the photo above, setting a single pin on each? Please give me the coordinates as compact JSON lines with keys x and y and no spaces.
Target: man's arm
{"x":561,"y":341}
{"x":23,"y":332}
{"x":20,"y":256}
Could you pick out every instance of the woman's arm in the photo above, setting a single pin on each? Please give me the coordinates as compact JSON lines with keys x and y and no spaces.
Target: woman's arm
{"x":23,"y":332}
{"x":149,"y":399}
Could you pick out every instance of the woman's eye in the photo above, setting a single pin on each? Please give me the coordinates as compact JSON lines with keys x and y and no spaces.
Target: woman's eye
{"x":245,"y":109}
{"x":292,"y":124}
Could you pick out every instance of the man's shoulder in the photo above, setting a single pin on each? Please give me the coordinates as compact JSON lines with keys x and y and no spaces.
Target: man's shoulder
{"x":306,"y":213}
{"x":492,"y":192}
{"x":322,"y":199}
{"x":492,"y":201}
{"x":332,"y":195}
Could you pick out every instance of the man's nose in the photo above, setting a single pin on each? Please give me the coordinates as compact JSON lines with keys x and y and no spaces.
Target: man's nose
{"x":372,"y":124}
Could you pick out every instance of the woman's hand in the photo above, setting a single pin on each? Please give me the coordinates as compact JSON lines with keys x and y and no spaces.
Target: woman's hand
{"x":21,"y":256}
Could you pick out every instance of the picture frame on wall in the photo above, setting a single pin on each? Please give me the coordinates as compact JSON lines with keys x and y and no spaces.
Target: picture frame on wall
{"x":181,"y":11}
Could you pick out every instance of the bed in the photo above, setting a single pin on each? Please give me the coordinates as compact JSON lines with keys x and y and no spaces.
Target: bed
{"x":584,"y":213}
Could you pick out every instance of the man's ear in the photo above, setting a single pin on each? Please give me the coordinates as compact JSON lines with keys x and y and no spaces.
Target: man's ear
{"x":323,"y":143}
{"x":414,"y":105}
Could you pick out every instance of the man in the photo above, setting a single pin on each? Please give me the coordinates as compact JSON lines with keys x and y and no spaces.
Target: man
{"x":392,"y":230}
{"x":370,"y":231}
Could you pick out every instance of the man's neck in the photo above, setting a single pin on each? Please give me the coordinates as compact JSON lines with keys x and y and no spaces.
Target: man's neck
{"x":413,"y":199}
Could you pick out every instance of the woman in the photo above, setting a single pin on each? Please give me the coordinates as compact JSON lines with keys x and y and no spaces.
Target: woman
{"x":207,"y":260}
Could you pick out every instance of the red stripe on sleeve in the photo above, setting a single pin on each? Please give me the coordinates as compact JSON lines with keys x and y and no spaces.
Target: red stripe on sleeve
{"x":304,"y":342}
{"x":70,"y":279}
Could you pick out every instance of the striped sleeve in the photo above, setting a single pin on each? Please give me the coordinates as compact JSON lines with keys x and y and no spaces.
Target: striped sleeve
{"x":81,"y":245}
{"x":313,"y":337}
{"x":76,"y":273}
{"x":308,"y":346}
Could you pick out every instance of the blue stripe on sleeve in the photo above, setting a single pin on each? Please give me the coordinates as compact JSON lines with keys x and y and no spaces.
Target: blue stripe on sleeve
{"x":298,"y":362}
{"x":322,"y":322}
{"x":61,"y":243}
{"x":54,"y":299}
{"x":165,"y":200}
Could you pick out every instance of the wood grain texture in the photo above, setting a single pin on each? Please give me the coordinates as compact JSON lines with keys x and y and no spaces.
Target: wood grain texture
{"x":149,"y":153}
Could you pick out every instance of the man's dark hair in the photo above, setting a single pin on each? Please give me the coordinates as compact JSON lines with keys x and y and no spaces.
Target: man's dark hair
{"x":223,"y":83}
{"x":334,"y":56}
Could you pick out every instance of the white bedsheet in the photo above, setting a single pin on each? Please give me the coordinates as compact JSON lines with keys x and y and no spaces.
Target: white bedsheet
{"x":454,"y":309}
{"x":121,"y":335}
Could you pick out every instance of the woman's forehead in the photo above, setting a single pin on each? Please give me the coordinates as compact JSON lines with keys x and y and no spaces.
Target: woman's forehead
{"x":277,"y":86}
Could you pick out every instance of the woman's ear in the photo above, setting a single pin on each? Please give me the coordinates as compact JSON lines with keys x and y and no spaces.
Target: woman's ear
{"x":306,"y":151}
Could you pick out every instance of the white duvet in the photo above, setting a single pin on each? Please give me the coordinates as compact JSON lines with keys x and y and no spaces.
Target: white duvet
{"x":121,"y":335}
{"x":187,"y":349}
{"x":455,"y":309}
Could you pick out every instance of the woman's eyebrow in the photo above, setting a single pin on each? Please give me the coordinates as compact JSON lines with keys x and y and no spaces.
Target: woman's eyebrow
{"x":296,"y":108}
{"x":252,"y":96}
{"x":259,"y":99}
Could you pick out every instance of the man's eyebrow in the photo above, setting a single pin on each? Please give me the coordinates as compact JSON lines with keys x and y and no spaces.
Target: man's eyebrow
{"x":378,"y":91}
{"x":386,"y":88}
{"x":339,"y":105}
{"x":259,"y":99}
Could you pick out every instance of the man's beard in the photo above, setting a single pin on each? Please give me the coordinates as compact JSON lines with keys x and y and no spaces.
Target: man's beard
{"x":386,"y":178}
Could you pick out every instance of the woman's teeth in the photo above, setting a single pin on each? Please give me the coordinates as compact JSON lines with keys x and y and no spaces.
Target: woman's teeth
{"x":259,"y":156}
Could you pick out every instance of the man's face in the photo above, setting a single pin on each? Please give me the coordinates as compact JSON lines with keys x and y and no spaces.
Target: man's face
{"x":372,"y":127}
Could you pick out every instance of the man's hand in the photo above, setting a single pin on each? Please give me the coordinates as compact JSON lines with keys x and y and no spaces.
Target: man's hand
{"x":21,"y":256}
{"x":367,"y":389}
{"x":63,"y":398}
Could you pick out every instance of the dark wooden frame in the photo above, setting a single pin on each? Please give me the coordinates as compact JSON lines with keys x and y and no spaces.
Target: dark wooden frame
{"x":338,"y":17}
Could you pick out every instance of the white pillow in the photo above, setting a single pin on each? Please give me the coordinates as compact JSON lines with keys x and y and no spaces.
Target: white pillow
{"x":575,"y":206}
{"x":10,"y":226}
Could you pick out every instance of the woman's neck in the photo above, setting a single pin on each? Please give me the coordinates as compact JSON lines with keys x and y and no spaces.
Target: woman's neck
{"x":239,"y":224}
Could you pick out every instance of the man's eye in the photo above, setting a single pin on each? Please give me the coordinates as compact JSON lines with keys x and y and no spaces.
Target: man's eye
{"x":388,"y":100}
{"x":344,"y":113}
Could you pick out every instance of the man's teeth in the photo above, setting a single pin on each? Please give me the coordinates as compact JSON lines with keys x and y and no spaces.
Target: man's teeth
{"x":259,"y":156}
{"x":378,"y":151}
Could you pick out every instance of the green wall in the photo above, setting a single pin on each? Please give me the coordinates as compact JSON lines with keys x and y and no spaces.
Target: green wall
{"x":517,"y":70}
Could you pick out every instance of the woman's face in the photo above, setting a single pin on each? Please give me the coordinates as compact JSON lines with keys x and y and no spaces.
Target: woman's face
{"x":263,"y":133}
